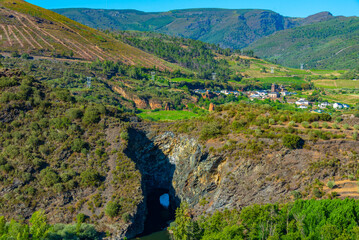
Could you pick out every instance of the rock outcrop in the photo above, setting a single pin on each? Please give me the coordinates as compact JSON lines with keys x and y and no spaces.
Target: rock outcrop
{"x":214,"y":181}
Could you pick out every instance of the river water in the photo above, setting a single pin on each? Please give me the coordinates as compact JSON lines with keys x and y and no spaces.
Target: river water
{"x":162,"y":235}
{"x":160,"y":214}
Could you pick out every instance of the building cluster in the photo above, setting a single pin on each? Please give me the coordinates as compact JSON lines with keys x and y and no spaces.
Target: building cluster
{"x":324,"y":105}
{"x":277,"y":91}
{"x":208,"y":94}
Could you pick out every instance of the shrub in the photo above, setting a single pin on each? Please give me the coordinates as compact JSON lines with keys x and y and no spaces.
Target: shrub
{"x":325,"y":125}
{"x":331,"y":184}
{"x":124,"y":136}
{"x":356,"y":127}
{"x":315,"y":125}
{"x":335,"y":126}
{"x":338,"y":119}
{"x":92,"y":115}
{"x":355,"y":136}
{"x":78,"y":144}
{"x":271,"y":121}
{"x":74,"y":113}
{"x":90,"y":177}
{"x":292,"y":141}
{"x":346,"y":126}
{"x":112,"y":209}
{"x":211,"y":130}
{"x":317,"y":193}
{"x":305,"y":124}
{"x":325,"y":117}
{"x":291,"y":124}
{"x":48,"y":177}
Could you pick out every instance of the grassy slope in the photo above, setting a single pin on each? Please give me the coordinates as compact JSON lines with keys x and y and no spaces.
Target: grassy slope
{"x":332,"y":44}
{"x":28,"y":28}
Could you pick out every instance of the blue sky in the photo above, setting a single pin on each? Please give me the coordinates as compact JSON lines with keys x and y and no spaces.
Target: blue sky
{"x":293,"y":8}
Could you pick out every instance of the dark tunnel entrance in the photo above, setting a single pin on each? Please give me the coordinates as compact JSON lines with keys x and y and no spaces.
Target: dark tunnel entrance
{"x":158,"y":215}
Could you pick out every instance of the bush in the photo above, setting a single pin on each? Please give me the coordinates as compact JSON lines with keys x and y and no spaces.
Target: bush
{"x":74,"y":113}
{"x":356,"y":127}
{"x":335,"y":126}
{"x":346,"y":126}
{"x":305,"y":124}
{"x":338,"y":119}
{"x":48,"y":177}
{"x":292,"y":141}
{"x":291,"y":124}
{"x":90,"y":177}
{"x":331,"y":184}
{"x":211,"y":130}
{"x":112,"y":209}
{"x":124,"y":136}
{"x":78,"y":144}
{"x":315,"y":125}
{"x":325,"y":125}
{"x":92,"y":115}
{"x":355,"y":136}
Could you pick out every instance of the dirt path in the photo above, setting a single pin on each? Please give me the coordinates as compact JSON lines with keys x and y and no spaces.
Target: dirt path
{"x":7,"y":35}
{"x":15,"y":36}
{"x":24,"y":37}
{"x":33,"y":40}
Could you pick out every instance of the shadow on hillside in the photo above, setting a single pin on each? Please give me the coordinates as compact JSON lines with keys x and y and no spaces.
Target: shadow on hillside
{"x":157,"y":175}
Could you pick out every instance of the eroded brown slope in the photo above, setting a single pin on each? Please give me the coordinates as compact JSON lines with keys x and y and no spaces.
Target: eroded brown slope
{"x":30,"y":29}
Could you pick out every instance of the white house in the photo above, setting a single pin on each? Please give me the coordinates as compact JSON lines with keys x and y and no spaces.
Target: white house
{"x":338,"y":106}
{"x":302,"y":101}
{"x":255,"y":96}
{"x":285,"y":93}
{"x":303,"y":107}
{"x":324,"y":105}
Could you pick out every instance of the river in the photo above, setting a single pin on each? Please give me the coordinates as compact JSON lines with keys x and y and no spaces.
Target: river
{"x":160,"y":214}
{"x":162,"y":235}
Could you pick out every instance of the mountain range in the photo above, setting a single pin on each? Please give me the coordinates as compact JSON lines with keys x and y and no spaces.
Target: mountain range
{"x":318,"y":41}
{"x":228,"y":28}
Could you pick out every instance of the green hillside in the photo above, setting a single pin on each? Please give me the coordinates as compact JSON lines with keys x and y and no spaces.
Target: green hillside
{"x":332,"y":44}
{"x":228,"y":28}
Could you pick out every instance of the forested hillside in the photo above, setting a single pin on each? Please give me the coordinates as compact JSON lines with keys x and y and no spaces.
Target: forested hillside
{"x":332,"y":44}
{"x":228,"y":28}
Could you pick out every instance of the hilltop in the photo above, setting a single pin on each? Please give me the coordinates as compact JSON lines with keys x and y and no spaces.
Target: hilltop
{"x":332,"y":44}
{"x":229,"y":28}
{"x":26,"y":28}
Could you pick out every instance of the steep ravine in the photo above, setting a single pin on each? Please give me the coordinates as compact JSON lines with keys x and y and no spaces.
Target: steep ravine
{"x":184,"y":168}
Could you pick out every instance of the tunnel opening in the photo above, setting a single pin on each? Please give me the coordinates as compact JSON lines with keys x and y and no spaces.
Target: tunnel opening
{"x":160,"y":212}
{"x":160,"y":199}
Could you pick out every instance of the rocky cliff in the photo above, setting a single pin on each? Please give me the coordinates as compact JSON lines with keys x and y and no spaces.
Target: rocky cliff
{"x":230,"y":177}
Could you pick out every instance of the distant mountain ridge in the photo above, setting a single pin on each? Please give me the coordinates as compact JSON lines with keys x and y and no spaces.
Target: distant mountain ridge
{"x":229,"y":28}
{"x":332,"y":44}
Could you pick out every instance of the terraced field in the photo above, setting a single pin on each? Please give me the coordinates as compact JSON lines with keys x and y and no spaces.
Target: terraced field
{"x":30,"y":29}
{"x":344,"y":188}
{"x":337,"y":84}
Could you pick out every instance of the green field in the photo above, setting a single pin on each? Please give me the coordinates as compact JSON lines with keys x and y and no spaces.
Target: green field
{"x":350,"y":99}
{"x":282,"y":80}
{"x":184,"y":80}
{"x":336,"y":84}
{"x":166,"y":115}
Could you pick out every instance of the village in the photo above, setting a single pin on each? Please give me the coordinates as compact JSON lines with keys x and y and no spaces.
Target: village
{"x":277,"y":92}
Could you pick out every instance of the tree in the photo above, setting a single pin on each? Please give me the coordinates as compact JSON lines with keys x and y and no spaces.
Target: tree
{"x":292,"y":141}
{"x":112,"y":209}
{"x":39,"y":227}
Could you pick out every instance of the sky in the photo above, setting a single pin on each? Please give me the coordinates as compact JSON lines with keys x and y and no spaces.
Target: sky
{"x":292,"y":8}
